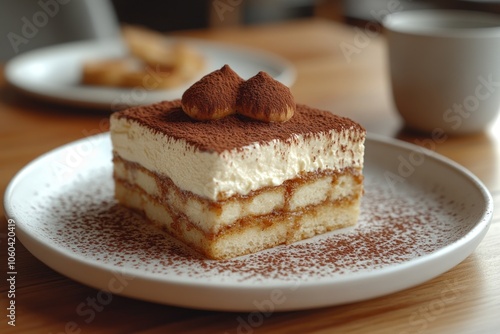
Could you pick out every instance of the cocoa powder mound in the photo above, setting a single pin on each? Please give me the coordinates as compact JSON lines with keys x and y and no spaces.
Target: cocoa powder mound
{"x":215,"y":92}
{"x":262,"y":95}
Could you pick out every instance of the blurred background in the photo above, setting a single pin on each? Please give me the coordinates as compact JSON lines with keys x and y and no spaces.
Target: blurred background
{"x":58,"y":21}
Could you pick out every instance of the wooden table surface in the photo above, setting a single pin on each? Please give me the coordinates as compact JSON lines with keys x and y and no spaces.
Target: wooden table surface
{"x":355,"y":86}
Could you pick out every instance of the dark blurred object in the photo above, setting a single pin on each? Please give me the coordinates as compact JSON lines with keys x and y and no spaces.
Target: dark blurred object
{"x":27,"y":24}
{"x":492,"y":6}
{"x":194,"y":14}
{"x":264,"y":11}
{"x":361,"y":11}
{"x":164,"y":15}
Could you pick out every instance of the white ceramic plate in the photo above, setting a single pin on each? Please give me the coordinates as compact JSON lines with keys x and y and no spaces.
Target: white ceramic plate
{"x":421,"y":215}
{"x":54,"y":73}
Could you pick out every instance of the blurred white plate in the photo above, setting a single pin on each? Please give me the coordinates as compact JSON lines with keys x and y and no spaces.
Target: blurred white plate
{"x":54,"y":73}
{"x":421,"y":215}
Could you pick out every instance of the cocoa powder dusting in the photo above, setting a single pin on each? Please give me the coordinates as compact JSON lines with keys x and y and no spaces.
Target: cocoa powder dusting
{"x":394,"y":227}
{"x":235,"y":131}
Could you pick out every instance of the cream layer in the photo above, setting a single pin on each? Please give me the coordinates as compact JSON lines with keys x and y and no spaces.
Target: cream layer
{"x":215,"y":176}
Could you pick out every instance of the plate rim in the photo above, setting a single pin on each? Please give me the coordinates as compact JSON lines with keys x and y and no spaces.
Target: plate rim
{"x":288,"y":71}
{"x":470,"y":240}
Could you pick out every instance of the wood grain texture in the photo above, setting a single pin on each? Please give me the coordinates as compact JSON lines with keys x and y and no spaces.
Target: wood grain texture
{"x":46,"y":302}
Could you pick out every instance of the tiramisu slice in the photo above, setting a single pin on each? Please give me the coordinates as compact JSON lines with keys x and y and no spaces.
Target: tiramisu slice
{"x":235,"y":185}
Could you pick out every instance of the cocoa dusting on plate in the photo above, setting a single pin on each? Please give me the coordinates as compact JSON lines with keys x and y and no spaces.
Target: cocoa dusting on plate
{"x":394,"y":227}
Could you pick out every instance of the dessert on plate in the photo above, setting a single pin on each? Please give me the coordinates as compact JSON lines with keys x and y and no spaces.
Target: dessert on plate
{"x":237,"y":166}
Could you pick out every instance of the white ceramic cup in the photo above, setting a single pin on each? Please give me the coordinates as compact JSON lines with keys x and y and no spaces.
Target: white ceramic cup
{"x":445,"y":69}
